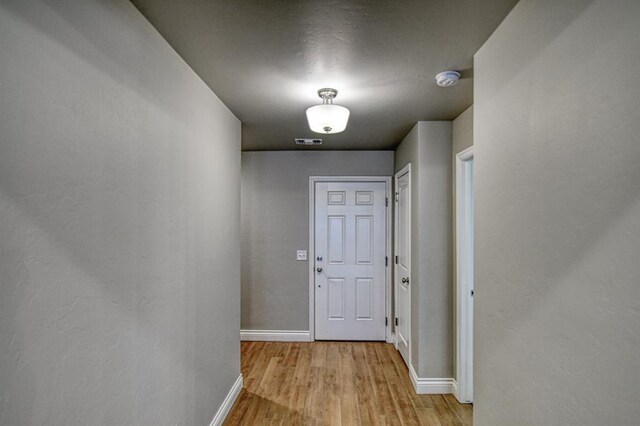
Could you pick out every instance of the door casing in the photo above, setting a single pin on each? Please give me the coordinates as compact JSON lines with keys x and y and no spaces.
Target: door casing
{"x":312,"y":244}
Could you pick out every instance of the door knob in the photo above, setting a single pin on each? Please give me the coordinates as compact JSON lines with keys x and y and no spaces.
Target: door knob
{"x":405,"y":280}
{"x":319,"y":269}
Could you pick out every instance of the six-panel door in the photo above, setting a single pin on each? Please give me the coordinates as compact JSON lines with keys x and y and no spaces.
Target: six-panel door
{"x":403,"y":264}
{"x":350,"y":241}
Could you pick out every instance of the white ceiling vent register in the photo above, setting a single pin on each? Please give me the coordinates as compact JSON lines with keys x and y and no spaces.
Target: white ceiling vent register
{"x":327,"y":118}
{"x":300,"y":141}
{"x":447,"y":78}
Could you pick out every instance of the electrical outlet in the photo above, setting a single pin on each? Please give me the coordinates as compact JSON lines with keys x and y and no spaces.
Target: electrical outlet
{"x":301,"y":255}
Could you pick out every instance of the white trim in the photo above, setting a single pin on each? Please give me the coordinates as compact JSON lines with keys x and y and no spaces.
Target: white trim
{"x":275,"y":335}
{"x":228,"y":402}
{"x":312,"y":257}
{"x":312,"y":245}
{"x":389,"y":256}
{"x":465,"y":154}
{"x":464,"y":284}
{"x":403,"y":171}
{"x":431,"y":385}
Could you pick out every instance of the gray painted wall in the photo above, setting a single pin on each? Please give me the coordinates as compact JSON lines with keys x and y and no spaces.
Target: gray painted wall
{"x":428,"y":148}
{"x":557,"y":119}
{"x":275,"y":223}
{"x":119,"y":223}
{"x":462,"y":133}
{"x":462,"y":138}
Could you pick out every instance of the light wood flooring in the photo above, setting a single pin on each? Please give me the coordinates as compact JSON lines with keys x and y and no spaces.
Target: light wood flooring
{"x":335,"y":383}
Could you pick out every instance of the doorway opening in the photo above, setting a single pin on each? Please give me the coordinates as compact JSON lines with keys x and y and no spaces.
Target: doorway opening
{"x":464,"y":275}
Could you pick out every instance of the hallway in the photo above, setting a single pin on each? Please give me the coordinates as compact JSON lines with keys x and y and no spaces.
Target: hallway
{"x":332,"y":383}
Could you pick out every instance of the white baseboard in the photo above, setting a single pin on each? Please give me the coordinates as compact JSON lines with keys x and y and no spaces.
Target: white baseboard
{"x":275,"y":335}
{"x":224,"y":409}
{"x":431,"y":385}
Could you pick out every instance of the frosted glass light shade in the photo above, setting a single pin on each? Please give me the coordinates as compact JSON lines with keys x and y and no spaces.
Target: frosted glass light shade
{"x":327,"y":118}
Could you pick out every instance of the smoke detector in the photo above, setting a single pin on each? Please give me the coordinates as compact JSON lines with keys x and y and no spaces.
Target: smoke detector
{"x":447,"y":78}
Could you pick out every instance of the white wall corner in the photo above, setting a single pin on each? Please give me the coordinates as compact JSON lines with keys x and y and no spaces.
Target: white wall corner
{"x":228,"y":402}
{"x":392,"y":339}
{"x":431,"y":385}
{"x":275,"y":335}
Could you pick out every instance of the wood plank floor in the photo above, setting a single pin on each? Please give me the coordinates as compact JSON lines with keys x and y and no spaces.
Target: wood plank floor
{"x":335,"y":383}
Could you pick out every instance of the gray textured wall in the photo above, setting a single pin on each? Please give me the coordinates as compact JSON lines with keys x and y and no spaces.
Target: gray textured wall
{"x":428,"y":148}
{"x":462,"y":138}
{"x":275,"y":223}
{"x":557,"y":119}
{"x":119,"y":223}
{"x":462,"y":133}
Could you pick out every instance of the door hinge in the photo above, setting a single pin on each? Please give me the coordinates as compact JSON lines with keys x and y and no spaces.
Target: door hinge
{"x":386,"y":321}
{"x":386,"y":201}
{"x":386,"y":261}
{"x":396,"y":321}
{"x":396,"y":260}
{"x":397,"y":195}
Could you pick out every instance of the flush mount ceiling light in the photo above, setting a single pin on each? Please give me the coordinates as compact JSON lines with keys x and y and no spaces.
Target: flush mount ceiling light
{"x":447,"y":78}
{"x":327,"y":118}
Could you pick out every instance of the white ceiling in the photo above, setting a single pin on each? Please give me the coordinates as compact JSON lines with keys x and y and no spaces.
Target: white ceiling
{"x":267,"y":59}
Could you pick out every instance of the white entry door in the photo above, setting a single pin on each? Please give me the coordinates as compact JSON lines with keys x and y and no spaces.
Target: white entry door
{"x":350,"y":242}
{"x":402,"y":277}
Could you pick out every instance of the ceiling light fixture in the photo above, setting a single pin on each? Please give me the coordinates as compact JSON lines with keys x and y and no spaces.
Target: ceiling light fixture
{"x":327,"y":118}
{"x":447,"y":78}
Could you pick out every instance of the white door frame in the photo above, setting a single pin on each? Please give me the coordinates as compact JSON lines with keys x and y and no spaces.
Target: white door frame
{"x":406,"y":169}
{"x":464,"y":282}
{"x":312,"y":245}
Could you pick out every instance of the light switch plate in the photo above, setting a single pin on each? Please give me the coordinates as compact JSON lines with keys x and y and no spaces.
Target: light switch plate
{"x":301,"y":255}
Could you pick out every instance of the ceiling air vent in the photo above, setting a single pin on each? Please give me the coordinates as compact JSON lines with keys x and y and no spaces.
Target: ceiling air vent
{"x":308,"y":141}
